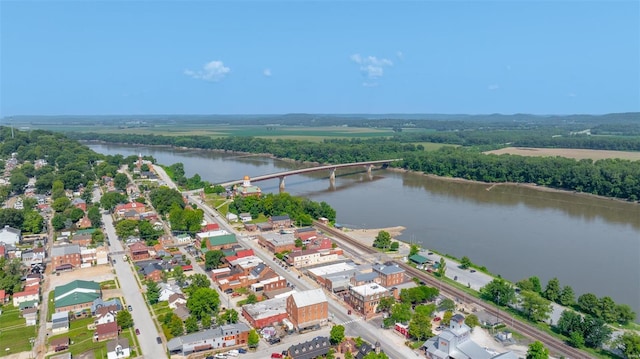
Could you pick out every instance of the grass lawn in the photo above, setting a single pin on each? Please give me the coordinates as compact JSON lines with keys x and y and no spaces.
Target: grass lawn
{"x":161,"y":308}
{"x":82,"y":338}
{"x":108,"y":284}
{"x":13,"y":333}
{"x":51,"y":305}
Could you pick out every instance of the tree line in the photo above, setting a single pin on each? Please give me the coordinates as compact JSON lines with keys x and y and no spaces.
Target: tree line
{"x":301,"y":210}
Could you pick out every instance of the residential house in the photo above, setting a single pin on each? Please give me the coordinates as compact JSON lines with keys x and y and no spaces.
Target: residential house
{"x":29,"y":294}
{"x":100,"y":303}
{"x":365,"y":298}
{"x":182,"y":312}
{"x":245,"y":217}
{"x":176,"y":299}
{"x":118,"y":348}
{"x":30,"y":315}
{"x":10,"y":235}
{"x":231,"y":217}
{"x":308,"y":308}
{"x":60,"y":322}
{"x":139,"y":251}
{"x":317,"y":347}
{"x":106,"y":331}
{"x":367,"y":348}
{"x":167,"y":290}
{"x":280,"y":221}
{"x":210,"y":339}
{"x":76,"y":295}
{"x":106,"y":315}
{"x":183,"y":239}
{"x":84,"y":222}
{"x":456,"y":342}
{"x":265,"y":313}
{"x":59,"y":344}
{"x":138,"y":208}
{"x":4,"y":298}
{"x":153,"y":271}
{"x":79,"y":203}
{"x":390,"y":274}
{"x":66,"y":257}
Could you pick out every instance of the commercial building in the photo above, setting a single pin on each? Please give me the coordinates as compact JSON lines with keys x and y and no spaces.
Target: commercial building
{"x":365,"y":298}
{"x":76,"y":295}
{"x":390,"y":274}
{"x":10,"y":235}
{"x":334,"y":277}
{"x":217,"y":338}
{"x":307,"y":309}
{"x":277,"y":242}
{"x":265,"y":313}
{"x":310,"y":257}
{"x":66,"y":257}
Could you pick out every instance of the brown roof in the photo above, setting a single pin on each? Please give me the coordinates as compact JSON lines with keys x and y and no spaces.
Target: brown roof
{"x":104,"y":310}
{"x":173,"y":297}
{"x":59,"y":341}
{"x":106,"y":328}
{"x":138,"y":247}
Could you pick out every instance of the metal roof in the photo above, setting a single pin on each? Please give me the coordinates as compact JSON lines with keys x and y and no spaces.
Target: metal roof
{"x":309,"y":297}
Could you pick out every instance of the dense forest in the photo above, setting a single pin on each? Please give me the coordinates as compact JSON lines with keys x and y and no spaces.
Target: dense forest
{"x":612,"y":177}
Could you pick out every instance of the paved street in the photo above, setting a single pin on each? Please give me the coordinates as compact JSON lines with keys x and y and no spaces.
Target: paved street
{"x":133,"y":296}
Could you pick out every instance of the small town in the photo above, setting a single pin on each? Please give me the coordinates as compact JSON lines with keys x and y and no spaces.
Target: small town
{"x":237,"y":286}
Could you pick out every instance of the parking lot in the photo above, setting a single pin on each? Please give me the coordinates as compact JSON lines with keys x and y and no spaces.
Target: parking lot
{"x":98,"y":274}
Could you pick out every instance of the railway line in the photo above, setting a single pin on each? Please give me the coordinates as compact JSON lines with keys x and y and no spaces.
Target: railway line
{"x":554,"y":344}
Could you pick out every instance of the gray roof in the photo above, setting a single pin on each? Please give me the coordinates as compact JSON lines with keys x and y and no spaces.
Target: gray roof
{"x":366,"y":277}
{"x":60,"y":317}
{"x":258,"y":269}
{"x":10,"y":230}
{"x":386,"y":269}
{"x":64,"y":250}
{"x":280,"y":218}
{"x":123,"y":342}
{"x":309,"y":297}
{"x":266,"y":308}
{"x":305,"y":229}
{"x":177,"y":343}
{"x":150,"y":268}
{"x":313,"y":348}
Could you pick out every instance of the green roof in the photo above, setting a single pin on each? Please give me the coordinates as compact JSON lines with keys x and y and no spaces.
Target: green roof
{"x":76,"y":284}
{"x":77,"y":298}
{"x":85,"y":231}
{"x":28,"y":304}
{"x":416,"y":258}
{"x":222,"y":240}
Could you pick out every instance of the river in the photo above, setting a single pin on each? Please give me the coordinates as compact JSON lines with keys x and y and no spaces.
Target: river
{"x":591,"y":244}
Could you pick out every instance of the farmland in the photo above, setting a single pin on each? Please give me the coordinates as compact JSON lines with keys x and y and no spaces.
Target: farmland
{"x":578,"y":154}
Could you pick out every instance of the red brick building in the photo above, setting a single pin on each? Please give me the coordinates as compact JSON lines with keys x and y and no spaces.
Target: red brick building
{"x":139,"y":251}
{"x":390,"y":274}
{"x":106,"y":331}
{"x":63,"y":257}
{"x":308,"y":308}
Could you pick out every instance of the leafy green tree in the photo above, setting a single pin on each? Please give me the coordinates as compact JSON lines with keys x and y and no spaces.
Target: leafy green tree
{"x":124,"y":319}
{"x":212,"y":259}
{"x":536,"y":308}
{"x":552,"y":291}
{"x":120,"y":181}
{"x":498,"y":291}
{"x":414,"y":249}
{"x":382,"y":240}
{"x":427,"y":310}
{"x":624,"y":314}
{"x":596,"y":332}
{"x":110,"y":200}
{"x":447,"y":304}
{"x":348,"y":355}
{"x":472,"y":321}
{"x":395,"y":246}
{"x":567,"y":297}
{"x":75,"y":213}
{"x":126,"y":228}
{"x":203,"y":301}
{"x":386,"y":303}
{"x":93,"y":213}
{"x":176,"y":327}
{"x":607,"y":310}
{"x":10,"y":275}
{"x":253,"y":339}
{"x":569,"y":322}
{"x":446,"y":317}
{"x":44,"y":182}
{"x":537,"y":350}
{"x":298,"y":243}
{"x":374,"y":355}
{"x":18,"y":181}
{"x":179,"y":276}
{"x":251,"y":299}
{"x":420,"y":327}
{"x":197,"y":281}
{"x":206,"y":322}
{"x":629,"y":344}
{"x":33,"y":222}
{"x":359,"y":341}
{"x":331,"y":354}
{"x":229,"y":316}
{"x":400,"y":313}
{"x":576,"y":339}
{"x":153,"y":291}
{"x":442,"y":268}
{"x":58,"y":221}
{"x":191,"y":324}
{"x":465,"y":262}
{"x":163,"y":198}
{"x":11,"y":217}
{"x":336,"y":335}
{"x":97,"y":237}
{"x":60,"y":204}
{"x":536,"y":285}
{"x":57,"y":190}
{"x":588,"y":303}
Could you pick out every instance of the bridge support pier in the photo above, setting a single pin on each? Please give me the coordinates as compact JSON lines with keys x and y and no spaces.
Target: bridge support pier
{"x":332,"y":178}
{"x":369,"y":173}
{"x":281,"y":183}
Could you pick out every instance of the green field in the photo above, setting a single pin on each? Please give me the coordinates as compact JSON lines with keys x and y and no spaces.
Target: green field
{"x":14,"y":334}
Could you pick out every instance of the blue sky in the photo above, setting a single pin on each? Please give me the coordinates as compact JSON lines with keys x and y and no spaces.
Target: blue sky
{"x":197,"y":57}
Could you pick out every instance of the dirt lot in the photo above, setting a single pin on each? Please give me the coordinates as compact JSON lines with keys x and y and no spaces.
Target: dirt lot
{"x":568,"y":152}
{"x":98,"y":274}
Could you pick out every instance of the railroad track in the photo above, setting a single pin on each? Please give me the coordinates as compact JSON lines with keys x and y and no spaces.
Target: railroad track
{"x":554,"y":344}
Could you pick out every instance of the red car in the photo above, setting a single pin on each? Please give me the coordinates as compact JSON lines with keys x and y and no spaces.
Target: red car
{"x":137,"y":331}
{"x":276,"y":355}
{"x":437,"y":319}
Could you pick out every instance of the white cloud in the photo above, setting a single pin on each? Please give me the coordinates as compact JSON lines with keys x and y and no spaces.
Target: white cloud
{"x":371,"y":66}
{"x":400,"y":55}
{"x":212,"y":71}
{"x":266,"y":72}
{"x":493,"y":87}
{"x":571,"y":94}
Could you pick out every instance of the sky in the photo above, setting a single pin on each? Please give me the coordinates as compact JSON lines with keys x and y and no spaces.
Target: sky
{"x":269,"y":57}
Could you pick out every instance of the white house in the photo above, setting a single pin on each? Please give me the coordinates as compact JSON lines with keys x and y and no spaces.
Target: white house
{"x":175,"y":300}
{"x":118,"y":348}
{"x":245,"y":217}
{"x":167,"y":290}
{"x":232,"y":217}
{"x":10,"y":235}
{"x":103,"y":317}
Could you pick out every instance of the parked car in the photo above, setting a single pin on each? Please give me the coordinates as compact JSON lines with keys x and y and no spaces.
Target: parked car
{"x":130,"y":308}
{"x":437,"y":319}
{"x":137,"y":331}
{"x":220,"y":356}
{"x":242,"y":350}
{"x":276,"y":355}
{"x":159,"y":340}
{"x":274,"y":340}
{"x":473,"y":271}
